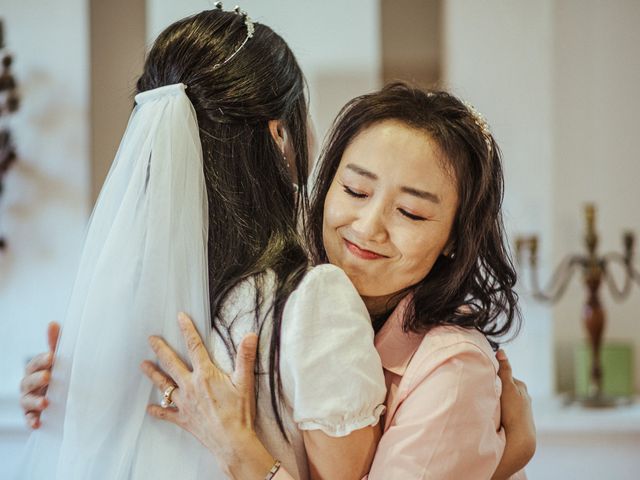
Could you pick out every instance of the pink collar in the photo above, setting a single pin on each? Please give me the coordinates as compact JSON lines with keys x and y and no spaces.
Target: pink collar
{"x":395,"y":347}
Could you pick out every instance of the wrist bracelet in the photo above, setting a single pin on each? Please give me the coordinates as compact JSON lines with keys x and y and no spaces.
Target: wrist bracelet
{"x":273,"y":471}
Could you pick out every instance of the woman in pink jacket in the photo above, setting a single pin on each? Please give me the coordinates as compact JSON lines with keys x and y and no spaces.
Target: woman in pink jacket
{"x":408,"y":204}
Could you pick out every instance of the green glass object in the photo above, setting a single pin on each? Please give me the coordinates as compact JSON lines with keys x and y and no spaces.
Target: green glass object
{"x":617,"y":369}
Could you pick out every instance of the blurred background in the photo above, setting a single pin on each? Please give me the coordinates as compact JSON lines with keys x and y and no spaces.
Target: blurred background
{"x":557,"y":81}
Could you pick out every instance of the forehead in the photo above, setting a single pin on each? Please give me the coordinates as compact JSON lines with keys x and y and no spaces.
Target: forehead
{"x":393,"y":149}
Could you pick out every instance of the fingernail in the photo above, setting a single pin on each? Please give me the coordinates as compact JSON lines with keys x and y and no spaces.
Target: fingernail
{"x":501,"y":355}
{"x":182,"y":318}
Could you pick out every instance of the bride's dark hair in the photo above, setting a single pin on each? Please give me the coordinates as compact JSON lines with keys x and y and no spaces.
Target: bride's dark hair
{"x":253,"y":206}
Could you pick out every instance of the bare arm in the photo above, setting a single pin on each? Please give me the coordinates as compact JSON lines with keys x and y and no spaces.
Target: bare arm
{"x":348,"y":457}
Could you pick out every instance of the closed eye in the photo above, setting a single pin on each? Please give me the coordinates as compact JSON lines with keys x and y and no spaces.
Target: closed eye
{"x":354,"y":193}
{"x":411,"y":216}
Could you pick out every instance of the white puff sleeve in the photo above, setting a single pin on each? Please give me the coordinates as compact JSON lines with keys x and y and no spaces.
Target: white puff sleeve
{"x":331,"y":372}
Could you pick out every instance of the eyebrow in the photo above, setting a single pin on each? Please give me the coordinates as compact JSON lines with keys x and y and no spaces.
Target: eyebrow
{"x":362,"y":171}
{"x":423,"y":194}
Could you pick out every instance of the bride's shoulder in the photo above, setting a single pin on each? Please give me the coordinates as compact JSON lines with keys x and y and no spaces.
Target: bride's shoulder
{"x":327,"y":277}
{"x":326,"y":290}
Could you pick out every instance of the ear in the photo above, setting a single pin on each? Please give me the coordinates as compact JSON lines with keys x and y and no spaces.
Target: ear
{"x":278,"y":133}
{"x":449,"y":249}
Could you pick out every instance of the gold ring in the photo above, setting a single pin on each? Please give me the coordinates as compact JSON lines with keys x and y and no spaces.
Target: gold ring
{"x":166,"y":397}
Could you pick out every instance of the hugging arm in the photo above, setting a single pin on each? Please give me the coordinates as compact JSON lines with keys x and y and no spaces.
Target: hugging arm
{"x":332,"y":374}
{"x":346,"y":457}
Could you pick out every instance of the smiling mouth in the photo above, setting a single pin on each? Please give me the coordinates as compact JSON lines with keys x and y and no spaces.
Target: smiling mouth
{"x":361,"y":252}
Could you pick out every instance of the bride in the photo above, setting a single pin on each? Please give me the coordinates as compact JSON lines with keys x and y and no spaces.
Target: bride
{"x":199,"y":212}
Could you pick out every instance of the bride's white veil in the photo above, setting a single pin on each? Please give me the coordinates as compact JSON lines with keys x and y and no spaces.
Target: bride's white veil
{"x":144,"y":260}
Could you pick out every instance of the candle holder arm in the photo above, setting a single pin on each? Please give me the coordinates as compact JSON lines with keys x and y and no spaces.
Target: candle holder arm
{"x":559,"y":281}
{"x":617,"y":293}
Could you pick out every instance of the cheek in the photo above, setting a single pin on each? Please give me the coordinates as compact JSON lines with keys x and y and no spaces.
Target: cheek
{"x":419,"y":253}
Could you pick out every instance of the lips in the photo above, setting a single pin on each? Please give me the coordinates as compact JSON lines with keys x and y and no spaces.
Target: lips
{"x":361,"y":252}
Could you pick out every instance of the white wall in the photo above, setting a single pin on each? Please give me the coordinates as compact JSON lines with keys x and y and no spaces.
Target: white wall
{"x":558,"y":81}
{"x":596,"y":105}
{"x":46,"y":202}
{"x":498,"y":56}
{"x":337,"y":43}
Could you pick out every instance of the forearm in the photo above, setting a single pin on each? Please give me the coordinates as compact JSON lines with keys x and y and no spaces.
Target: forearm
{"x":347,"y":458}
{"x":246,"y":458}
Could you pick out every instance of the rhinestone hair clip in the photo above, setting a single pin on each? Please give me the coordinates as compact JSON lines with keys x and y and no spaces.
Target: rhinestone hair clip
{"x":482,"y":125}
{"x":250,"y":29}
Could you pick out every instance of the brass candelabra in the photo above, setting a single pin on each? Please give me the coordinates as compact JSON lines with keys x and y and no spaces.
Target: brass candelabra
{"x":596,"y":270}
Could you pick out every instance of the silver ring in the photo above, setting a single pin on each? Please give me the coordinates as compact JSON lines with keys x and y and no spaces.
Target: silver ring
{"x":166,"y":397}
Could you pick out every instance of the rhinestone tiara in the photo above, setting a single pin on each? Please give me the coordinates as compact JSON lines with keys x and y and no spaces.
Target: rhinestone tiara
{"x":250,"y":30}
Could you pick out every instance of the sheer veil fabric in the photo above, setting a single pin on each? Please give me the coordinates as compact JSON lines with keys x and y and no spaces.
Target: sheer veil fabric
{"x":144,"y":260}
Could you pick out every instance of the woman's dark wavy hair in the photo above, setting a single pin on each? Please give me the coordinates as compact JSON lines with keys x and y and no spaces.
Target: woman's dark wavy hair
{"x":253,"y":206}
{"x":480,"y":273}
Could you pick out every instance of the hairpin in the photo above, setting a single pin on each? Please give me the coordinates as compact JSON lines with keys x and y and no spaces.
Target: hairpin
{"x":250,"y":30}
{"x":482,"y":124}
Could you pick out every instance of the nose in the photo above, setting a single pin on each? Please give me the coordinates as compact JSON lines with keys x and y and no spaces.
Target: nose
{"x":370,"y":224}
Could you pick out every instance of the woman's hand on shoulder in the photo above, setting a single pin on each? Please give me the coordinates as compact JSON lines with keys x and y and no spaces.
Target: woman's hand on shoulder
{"x":517,"y":421}
{"x":34,"y":384}
{"x":218,"y":409}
